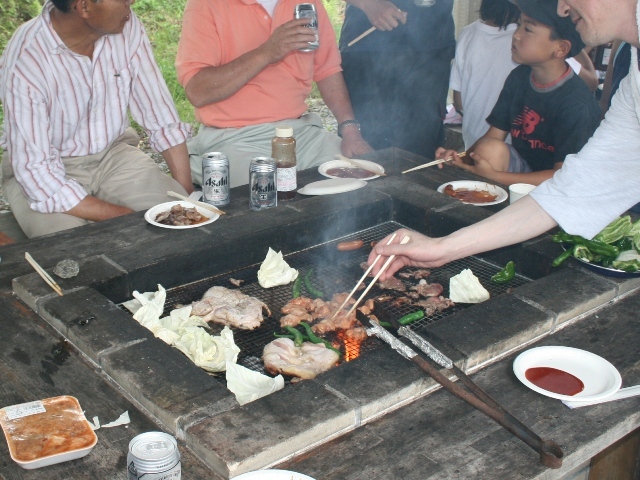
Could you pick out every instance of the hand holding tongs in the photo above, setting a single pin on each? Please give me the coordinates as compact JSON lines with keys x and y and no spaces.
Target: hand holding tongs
{"x":550,"y":452}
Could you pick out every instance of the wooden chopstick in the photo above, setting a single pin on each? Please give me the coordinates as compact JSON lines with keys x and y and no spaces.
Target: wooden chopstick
{"x":355,"y":163}
{"x":360,"y":281}
{"x":435,"y":162}
{"x":361,"y":36}
{"x":196,"y":202}
{"x":375,"y":279}
{"x":42,"y":272}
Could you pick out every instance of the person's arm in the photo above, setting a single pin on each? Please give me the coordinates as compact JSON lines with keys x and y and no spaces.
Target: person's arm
{"x":216,"y":83}
{"x":96,"y":210}
{"x":516,"y":223}
{"x":335,"y":95}
{"x":484,"y":169}
{"x":177,"y":159}
{"x":382,"y":14}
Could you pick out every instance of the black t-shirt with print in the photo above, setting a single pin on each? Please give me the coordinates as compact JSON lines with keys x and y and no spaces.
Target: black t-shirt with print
{"x":547,"y":124}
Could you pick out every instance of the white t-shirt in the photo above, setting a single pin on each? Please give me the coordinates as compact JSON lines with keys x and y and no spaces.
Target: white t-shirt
{"x":600,"y":182}
{"x":479,"y":69}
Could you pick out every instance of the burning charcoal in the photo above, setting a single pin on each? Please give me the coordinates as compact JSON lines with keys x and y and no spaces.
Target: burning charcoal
{"x":67,"y":269}
{"x":235,"y":282}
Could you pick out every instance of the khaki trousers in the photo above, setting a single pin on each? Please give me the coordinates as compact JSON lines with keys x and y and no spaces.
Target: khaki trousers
{"x":314,"y":145}
{"x":122,"y":174}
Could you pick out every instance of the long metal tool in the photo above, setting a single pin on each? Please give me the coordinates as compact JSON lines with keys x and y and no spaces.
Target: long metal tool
{"x":550,"y":452}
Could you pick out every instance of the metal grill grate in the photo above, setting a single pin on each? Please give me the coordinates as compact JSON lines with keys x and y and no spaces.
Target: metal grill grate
{"x":333,"y":272}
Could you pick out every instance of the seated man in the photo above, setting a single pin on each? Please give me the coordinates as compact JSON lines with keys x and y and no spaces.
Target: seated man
{"x":242,"y":68}
{"x":68,"y":79}
{"x":549,"y":111}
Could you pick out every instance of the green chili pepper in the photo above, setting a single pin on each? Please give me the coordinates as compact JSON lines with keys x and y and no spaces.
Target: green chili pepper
{"x":385,"y":325}
{"x":582,"y":253}
{"x":562,"y":257}
{"x":313,"y":338}
{"x":298,"y":339}
{"x":310,"y":288}
{"x":615,"y":230}
{"x":506,"y":274}
{"x":593,"y":245}
{"x":411,"y":317}
{"x":624,"y":244}
{"x":297,"y":286}
{"x":627,"y":265}
{"x":331,"y":347}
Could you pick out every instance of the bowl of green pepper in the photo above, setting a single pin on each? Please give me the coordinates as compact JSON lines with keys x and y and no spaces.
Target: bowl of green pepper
{"x":614,"y":252}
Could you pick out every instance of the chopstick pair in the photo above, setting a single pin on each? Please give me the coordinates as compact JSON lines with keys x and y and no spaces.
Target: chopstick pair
{"x":375,"y":279}
{"x":42,"y":272}
{"x":435,"y":162}
{"x":196,"y":202}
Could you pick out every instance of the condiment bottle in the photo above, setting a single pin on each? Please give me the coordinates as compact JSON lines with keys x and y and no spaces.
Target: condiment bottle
{"x":283,"y":150}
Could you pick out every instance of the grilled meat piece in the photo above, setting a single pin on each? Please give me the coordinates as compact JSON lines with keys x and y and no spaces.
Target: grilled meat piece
{"x":180,"y":216}
{"x":399,"y":301}
{"x":296,"y":303}
{"x":294,"y":318}
{"x":230,"y":307}
{"x":356,"y":334}
{"x":306,"y":362}
{"x":384,"y":298}
{"x":428,"y":289}
{"x":392,"y":283}
{"x":434,"y":304}
{"x":235,"y":282}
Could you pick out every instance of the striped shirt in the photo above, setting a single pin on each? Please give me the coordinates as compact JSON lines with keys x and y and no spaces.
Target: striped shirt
{"x":61,"y":104}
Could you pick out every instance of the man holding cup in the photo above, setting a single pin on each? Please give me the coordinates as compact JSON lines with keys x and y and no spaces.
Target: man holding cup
{"x":246,"y":67}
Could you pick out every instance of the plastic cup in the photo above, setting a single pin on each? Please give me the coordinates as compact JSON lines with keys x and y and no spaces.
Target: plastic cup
{"x":519,"y":190}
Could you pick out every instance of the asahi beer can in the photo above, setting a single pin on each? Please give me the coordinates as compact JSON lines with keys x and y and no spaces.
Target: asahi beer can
{"x":215,"y":178}
{"x":153,"y":456}
{"x":263,"y":183}
{"x":308,"y":10}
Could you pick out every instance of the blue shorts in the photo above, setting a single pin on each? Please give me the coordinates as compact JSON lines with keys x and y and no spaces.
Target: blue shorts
{"x":517,"y":164}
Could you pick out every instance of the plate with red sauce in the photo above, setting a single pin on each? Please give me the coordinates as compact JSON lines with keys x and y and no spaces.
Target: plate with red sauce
{"x":567,"y":373}
{"x":342,"y":169}
{"x":474,"y":193}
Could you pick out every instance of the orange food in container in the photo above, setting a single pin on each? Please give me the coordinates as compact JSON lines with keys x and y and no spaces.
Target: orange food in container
{"x":46,"y":432}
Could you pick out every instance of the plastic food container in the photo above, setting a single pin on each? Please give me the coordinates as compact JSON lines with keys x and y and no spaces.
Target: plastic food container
{"x":46,"y":432}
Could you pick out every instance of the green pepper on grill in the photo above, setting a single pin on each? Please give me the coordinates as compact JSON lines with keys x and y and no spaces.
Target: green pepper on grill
{"x":506,"y":274}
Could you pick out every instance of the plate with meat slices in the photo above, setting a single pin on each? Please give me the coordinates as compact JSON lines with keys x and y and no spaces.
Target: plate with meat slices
{"x":474,"y":193}
{"x":179,"y":215}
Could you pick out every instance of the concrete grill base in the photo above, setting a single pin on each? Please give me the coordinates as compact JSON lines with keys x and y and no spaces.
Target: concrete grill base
{"x":233,"y":439}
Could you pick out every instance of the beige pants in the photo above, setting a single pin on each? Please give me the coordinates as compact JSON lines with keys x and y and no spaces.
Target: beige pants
{"x":122,"y":174}
{"x":314,"y":145}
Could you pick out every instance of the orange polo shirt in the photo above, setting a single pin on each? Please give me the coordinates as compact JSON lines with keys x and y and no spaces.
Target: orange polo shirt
{"x":215,"y":32}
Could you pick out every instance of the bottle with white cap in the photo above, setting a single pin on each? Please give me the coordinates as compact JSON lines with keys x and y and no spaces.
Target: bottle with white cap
{"x":283,"y":150}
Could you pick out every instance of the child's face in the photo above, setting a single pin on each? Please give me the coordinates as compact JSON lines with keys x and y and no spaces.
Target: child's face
{"x":531,"y":43}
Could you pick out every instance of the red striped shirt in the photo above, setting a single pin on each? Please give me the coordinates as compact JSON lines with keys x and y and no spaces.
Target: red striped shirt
{"x":61,"y":104}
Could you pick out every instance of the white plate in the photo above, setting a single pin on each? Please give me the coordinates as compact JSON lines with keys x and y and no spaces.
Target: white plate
{"x":272,"y":475}
{"x":163,"y":207}
{"x":600,"y":378}
{"x":334,"y":185}
{"x":342,"y":164}
{"x":472,"y":185}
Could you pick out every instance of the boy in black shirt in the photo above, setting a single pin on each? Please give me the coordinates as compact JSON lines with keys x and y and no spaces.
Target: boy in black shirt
{"x":548,"y":110}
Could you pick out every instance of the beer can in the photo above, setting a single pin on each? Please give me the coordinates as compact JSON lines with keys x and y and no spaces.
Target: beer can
{"x":308,"y":10}
{"x":153,"y":456}
{"x":262,"y":183}
{"x":215,"y":178}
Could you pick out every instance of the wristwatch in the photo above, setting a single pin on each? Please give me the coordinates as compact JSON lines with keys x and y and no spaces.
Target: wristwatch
{"x":345,"y":124}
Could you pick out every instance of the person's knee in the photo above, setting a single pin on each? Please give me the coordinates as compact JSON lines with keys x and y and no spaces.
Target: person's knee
{"x":494,"y":151}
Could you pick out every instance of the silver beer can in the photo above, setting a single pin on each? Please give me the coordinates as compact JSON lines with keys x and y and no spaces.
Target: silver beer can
{"x":215,"y":178}
{"x":262,"y":183}
{"x":308,"y":10}
{"x":154,"y":456}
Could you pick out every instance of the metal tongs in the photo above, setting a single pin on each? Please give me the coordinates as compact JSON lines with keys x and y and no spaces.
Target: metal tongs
{"x":549,"y":451}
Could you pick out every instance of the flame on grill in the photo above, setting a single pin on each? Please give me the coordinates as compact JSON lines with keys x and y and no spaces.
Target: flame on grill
{"x":351,"y":346}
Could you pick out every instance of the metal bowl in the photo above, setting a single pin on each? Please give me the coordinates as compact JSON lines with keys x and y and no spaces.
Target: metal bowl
{"x":608,"y":271}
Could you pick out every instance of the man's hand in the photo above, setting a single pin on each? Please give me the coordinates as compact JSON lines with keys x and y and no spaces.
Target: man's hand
{"x":383,"y":15}
{"x":449,"y":155}
{"x":480,"y":166}
{"x":353,"y":144}
{"x":287,"y":38}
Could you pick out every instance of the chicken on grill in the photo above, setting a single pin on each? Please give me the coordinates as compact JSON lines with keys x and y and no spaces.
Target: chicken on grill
{"x":306,"y":361}
{"x":230,"y":307}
